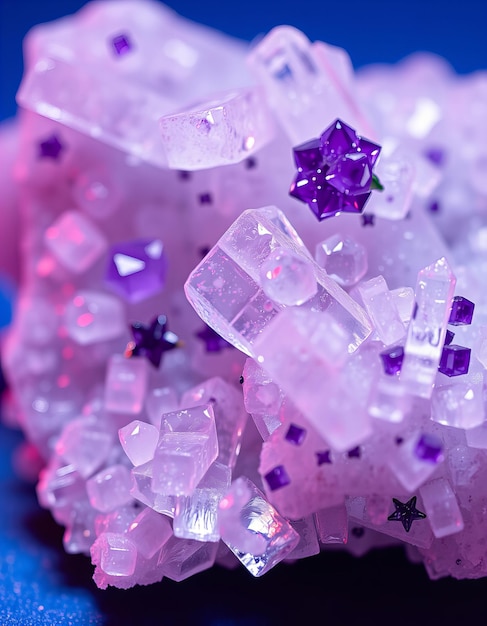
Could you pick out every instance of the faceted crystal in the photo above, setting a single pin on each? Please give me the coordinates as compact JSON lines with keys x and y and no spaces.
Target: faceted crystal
{"x":414,"y":461}
{"x":287,"y":278}
{"x":159,"y":401}
{"x":308,"y":540}
{"x":181,"y":558}
{"x":85,"y":444}
{"x":137,"y":269}
{"x":139,"y":441}
{"x":461,"y":311}
{"x":149,"y":532}
{"x":75,"y":242}
{"x":115,"y":554}
{"x":110,"y":488}
{"x":295,"y":434}
{"x":253,"y":530}
{"x":126,"y":384}
{"x":426,"y":333}
{"x":441,"y":508}
{"x":460,"y":405}
{"x":382,"y":310}
{"x":343,"y":259}
{"x":429,"y":448}
{"x":277,"y":478}
{"x":455,"y":360}
{"x":392,"y":359}
{"x":92,"y":317}
{"x":332,"y":525}
{"x":262,"y":398}
{"x":153,"y":340}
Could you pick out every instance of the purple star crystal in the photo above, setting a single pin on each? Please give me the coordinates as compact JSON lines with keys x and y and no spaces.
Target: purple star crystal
{"x":121,"y":44}
{"x":50,"y":148}
{"x":461,"y":311}
{"x":455,"y":360}
{"x":429,"y":448}
{"x":322,"y":457}
{"x":153,"y":340}
{"x":212,"y":340}
{"x":368,"y":219}
{"x":137,"y":269}
{"x":406,"y":513}
{"x":277,"y":478}
{"x":392,"y":359}
{"x":295,"y":434}
{"x":335,"y":171}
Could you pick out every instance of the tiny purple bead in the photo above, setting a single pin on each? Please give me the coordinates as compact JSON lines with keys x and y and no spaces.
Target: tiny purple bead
{"x":461,"y":311}
{"x":121,"y":44}
{"x":277,"y":478}
{"x":435,"y":155}
{"x":205,"y":198}
{"x":307,"y":156}
{"x":50,"y":148}
{"x":354,"y":453}
{"x":429,"y":448}
{"x":392,"y":359}
{"x":455,"y":360}
{"x":449,"y":337}
{"x":323,"y":457}
{"x":295,"y":434}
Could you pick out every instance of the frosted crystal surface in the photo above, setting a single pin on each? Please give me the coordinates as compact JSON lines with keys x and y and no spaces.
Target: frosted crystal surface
{"x":460,"y":405}
{"x":92,"y":317}
{"x":126,"y":384}
{"x":287,"y":278}
{"x":441,"y":508}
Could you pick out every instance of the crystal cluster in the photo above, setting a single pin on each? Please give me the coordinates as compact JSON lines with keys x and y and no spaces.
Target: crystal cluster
{"x":205,"y":374}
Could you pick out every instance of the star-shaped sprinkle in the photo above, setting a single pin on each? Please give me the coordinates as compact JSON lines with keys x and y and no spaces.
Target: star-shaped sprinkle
{"x":212,"y":340}
{"x":406,"y":513}
{"x":50,"y":148}
{"x":153,"y":340}
{"x":368,"y":219}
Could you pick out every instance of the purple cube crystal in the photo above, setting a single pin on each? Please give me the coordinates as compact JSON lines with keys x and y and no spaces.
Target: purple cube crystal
{"x":277,"y":478}
{"x":449,"y":337}
{"x":337,"y":140}
{"x":392,"y":359}
{"x":429,"y":448}
{"x":461,"y":311}
{"x":307,"y":156}
{"x":121,"y":44}
{"x":354,"y":453}
{"x":137,"y":269}
{"x":455,"y":360}
{"x":295,"y":434}
{"x":322,"y":457}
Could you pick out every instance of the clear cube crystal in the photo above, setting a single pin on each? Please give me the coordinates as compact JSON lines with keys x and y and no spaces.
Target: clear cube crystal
{"x":332,"y":525}
{"x":159,"y":401}
{"x":410,"y":470}
{"x":149,"y":532}
{"x":441,"y":508}
{"x":139,"y":441}
{"x":248,"y":521}
{"x":115,"y":554}
{"x":109,"y":488}
{"x":382,"y":310}
{"x":126,"y":384}
{"x":287,"y":278}
{"x":460,"y":405}
{"x":434,"y":291}
{"x":181,"y":558}
{"x":343,"y":259}
{"x":93,"y":317}
{"x":308,"y":539}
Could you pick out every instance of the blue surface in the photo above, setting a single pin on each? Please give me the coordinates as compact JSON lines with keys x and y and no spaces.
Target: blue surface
{"x":41,"y":585}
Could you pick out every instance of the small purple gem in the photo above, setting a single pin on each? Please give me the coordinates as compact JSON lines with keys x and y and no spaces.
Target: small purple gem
{"x":184,"y":174}
{"x":50,"y":148}
{"x":434,"y":207}
{"x":121,"y":44}
{"x":137,"y":269}
{"x":307,"y":156}
{"x":354,"y":453}
{"x":398,"y":441}
{"x":455,"y":360}
{"x":295,"y":434}
{"x":153,"y":340}
{"x":212,"y":340}
{"x":323,"y":457}
{"x":449,"y":337}
{"x":392,"y":359}
{"x":368,"y":219}
{"x":250,"y":163}
{"x":337,"y":140}
{"x":436,"y":155}
{"x":277,"y":478}
{"x":429,"y":448}
{"x":461,"y":311}
{"x":205,"y":198}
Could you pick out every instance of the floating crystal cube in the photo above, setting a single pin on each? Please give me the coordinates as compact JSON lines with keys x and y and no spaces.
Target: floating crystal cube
{"x":441,"y":508}
{"x":187,"y":447}
{"x":93,"y":317}
{"x":344,"y":259}
{"x":226,"y":292}
{"x":426,"y":333}
{"x":248,"y":521}
{"x":75,"y":242}
{"x":126,"y":384}
{"x":455,"y":360}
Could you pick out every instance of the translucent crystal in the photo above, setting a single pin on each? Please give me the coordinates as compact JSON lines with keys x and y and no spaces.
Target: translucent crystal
{"x":382,"y":310}
{"x":75,"y":241}
{"x":149,"y":532}
{"x":115,"y":554}
{"x":441,"y":508}
{"x":181,"y":558}
{"x":396,"y":174}
{"x":126,"y":384}
{"x":344,"y":259}
{"x":253,"y":530}
{"x":308,"y":539}
{"x":426,"y":333}
{"x":92,"y":317}
{"x":262,"y":398}
{"x":109,"y":488}
{"x":187,"y":447}
{"x":460,"y":405}
{"x":389,"y":400}
{"x":85,"y":444}
{"x":287,"y":278}
{"x":225,"y":287}
{"x":196,"y":516}
{"x":403,"y":298}
{"x":332,"y":525}
{"x":225,"y":130}
{"x":159,"y":401}
{"x":139,"y":441}
{"x":411,"y":470}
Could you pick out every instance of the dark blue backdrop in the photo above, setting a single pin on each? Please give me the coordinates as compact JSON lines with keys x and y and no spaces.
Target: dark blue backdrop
{"x":40,"y":585}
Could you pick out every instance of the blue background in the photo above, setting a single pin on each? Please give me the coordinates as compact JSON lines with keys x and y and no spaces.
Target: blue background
{"x":41,"y":585}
